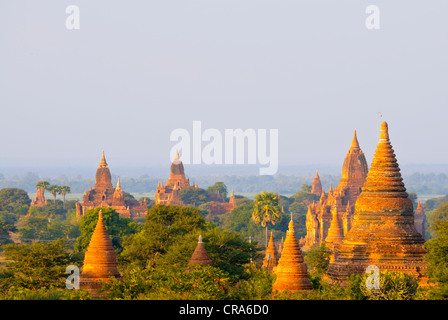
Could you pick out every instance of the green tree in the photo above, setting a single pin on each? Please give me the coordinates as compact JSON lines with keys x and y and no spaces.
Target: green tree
{"x":164,"y":226}
{"x":43,"y":185}
{"x":437,"y":258}
{"x":14,"y":200}
{"x":7,"y":225}
{"x":436,"y":215}
{"x":54,"y":190}
{"x":306,"y":188}
{"x":116,"y":225}
{"x":266,"y":210}
{"x":193,"y":196}
{"x":64,"y":191}
{"x":220,"y":187}
{"x":318,"y":259}
{"x":36,"y":265}
{"x":392,"y":286}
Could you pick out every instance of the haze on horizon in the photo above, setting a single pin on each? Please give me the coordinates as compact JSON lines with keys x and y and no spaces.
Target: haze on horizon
{"x":134,"y":72}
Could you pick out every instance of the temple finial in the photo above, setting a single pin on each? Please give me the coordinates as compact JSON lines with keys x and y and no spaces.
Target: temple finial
{"x":355,"y":143}
{"x":176,"y":158}
{"x":103,"y":162}
{"x":118,"y":184}
{"x":384,"y":135}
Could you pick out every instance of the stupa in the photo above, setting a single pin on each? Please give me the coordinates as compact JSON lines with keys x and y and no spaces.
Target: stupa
{"x":421,"y":224}
{"x":270,"y":261}
{"x":200,"y":255}
{"x":383,"y":232}
{"x":291,"y":270}
{"x":100,"y":263}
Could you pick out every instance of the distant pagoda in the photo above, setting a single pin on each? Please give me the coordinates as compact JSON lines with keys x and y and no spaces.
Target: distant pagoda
{"x":270,"y":261}
{"x":316,"y":188}
{"x":291,"y":270}
{"x":338,"y":203}
{"x":383,"y":232}
{"x":168,"y":194}
{"x":104,"y":194}
{"x":200,"y":255}
{"x":100,"y":263}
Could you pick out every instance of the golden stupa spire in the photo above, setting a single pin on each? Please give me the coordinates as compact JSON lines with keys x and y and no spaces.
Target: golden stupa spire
{"x":103,"y":162}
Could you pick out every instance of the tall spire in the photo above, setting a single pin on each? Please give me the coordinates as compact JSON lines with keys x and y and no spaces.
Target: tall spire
{"x":103,"y":162}
{"x":176,"y":158}
{"x":271,"y":257}
{"x":355,"y":144}
{"x":118,"y":187}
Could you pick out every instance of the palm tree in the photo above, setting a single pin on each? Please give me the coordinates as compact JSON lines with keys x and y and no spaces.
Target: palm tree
{"x":64,"y":190}
{"x":44,"y":185}
{"x":266,"y":210}
{"x":55,"y":190}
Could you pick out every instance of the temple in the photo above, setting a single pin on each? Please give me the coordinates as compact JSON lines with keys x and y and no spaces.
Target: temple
{"x":39,"y":200}
{"x":216,"y":209}
{"x":421,"y":224}
{"x":100,"y":263}
{"x":200,"y":255}
{"x":383,"y":232}
{"x":104,"y":194}
{"x":270,"y":261}
{"x":169,"y":194}
{"x":338,"y":204}
{"x":291,"y":270}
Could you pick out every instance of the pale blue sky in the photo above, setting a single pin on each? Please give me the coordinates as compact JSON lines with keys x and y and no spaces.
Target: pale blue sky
{"x":136,"y":70}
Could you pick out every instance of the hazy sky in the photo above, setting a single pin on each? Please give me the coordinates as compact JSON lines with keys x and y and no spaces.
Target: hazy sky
{"x":137,"y":70}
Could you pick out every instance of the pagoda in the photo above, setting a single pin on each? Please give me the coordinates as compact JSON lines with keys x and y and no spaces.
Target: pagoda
{"x":270,"y":261}
{"x":169,"y":194}
{"x":339,"y":202}
{"x":200,"y":255}
{"x":39,"y":200}
{"x":421,"y":224}
{"x":383,"y":232}
{"x":291,"y":270}
{"x":104,"y":194}
{"x":100,"y":262}
{"x":316,"y":188}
